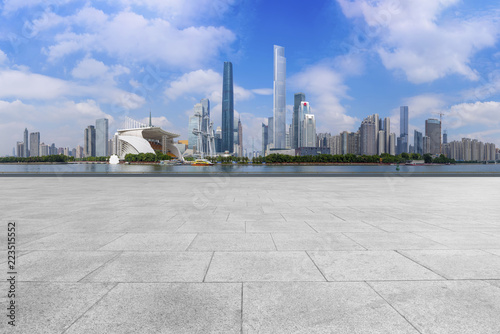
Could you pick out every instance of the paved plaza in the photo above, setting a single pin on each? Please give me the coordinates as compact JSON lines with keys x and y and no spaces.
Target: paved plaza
{"x":253,"y":254}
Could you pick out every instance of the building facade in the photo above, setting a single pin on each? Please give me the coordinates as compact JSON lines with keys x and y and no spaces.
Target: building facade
{"x":279,"y":94}
{"x":227,"y":108}
{"x":433,"y":131}
{"x":403,"y":130}
{"x":101,"y":137}
{"x":34,"y":144}
{"x":89,"y":141}
{"x":297,"y":99}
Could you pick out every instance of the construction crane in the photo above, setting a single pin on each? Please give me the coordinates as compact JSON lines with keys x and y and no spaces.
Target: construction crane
{"x":440,"y":129}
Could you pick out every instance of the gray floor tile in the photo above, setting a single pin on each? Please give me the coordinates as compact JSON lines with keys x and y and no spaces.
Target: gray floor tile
{"x":342,"y":226}
{"x":459,"y":264}
{"x":165,"y":308}
{"x":388,"y":241}
{"x":463,"y":240}
{"x":72,"y":241}
{"x":460,"y":307}
{"x":212,"y":227}
{"x":50,"y":307}
{"x":154,"y":267}
{"x":262,"y":266}
{"x":369,"y":265}
{"x":233,"y":242}
{"x":318,"y":308}
{"x":314,"y":241}
{"x":67,"y":266}
{"x":278,"y":227}
{"x":150,"y":242}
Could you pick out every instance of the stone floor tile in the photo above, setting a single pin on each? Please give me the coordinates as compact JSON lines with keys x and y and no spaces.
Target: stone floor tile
{"x":150,"y":242}
{"x":233,"y":242}
{"x":314,"y":241}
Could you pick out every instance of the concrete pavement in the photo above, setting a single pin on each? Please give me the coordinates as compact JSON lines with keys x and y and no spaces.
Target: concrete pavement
{"x":253,"y":255}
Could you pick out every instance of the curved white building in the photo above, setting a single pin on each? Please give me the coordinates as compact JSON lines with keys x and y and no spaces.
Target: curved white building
{"x":141,"y":138}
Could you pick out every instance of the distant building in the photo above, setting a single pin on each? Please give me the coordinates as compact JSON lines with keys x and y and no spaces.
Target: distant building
{"x":26,"y":144}
{"x":418,"y":142}
{"x":34,"y":144}
{"x":309,"y":131}
{"x":89,"y":141}
{"x":79,"y":152}
{"x":368,"y":135}
{"x":20,"y":149}
{"x":279,"y":95}
{"x":101,"y":137}
{"x":270,"y":131}
{"x":194,"y":127}
{"x":426,"y":144}
{"x":433,"y":131}
{"x":265,"y":138}
{"x":53,"y":149}
{"x":218,"y":140}
{"x":44,"y":150}
{"x":301,"y":151}
{"x":381,"y":142}
{"x":392,"y":144}
{"x":297,"y":99}
{"x":403,"y":130}
{"x":227,"y":108}
{"x":335,"y":145}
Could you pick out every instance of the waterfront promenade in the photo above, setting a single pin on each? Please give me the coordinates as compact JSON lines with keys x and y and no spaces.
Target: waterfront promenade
{"x":253,"y":255}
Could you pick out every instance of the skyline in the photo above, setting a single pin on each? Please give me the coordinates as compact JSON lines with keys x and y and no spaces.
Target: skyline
{"x":63,"y":66}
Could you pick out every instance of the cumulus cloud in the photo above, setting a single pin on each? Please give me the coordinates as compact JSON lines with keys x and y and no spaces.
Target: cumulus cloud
{"x":324,"y":88}
{"x":23,"y":84}
{"x":478,"y":113}
{"x":3,"y":57}
{"x":206,"y":84}
{"x":128,"y":35}
{"x":416,"y":38}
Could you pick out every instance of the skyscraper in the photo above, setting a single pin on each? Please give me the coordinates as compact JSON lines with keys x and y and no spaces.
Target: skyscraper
{"x":304,"y":109}
{"x":194,"y":127}
{"x":265,"y":133}
{"x":403,"y":130}
{"x":433,"y":131}
{"x":227,"y":108}
{"x":26,"y":152}
{"x":309,"y":131}
{"x":279,"y":105}
{"x":297,"y":99}
{"x":34,"y":144}
{"x":418,"y":142}
{"x":101,"y":137}
{"x":205,"y":123}
{"x":387,"y":129}
{"x":89,"y":141}
{"x":270,"y":131}
{"x":240,"y":137}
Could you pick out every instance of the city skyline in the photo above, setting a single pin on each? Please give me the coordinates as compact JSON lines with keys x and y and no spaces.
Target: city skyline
{"x":59,"y":70}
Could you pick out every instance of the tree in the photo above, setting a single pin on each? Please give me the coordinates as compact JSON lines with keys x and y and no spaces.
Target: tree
{"x":427,"y":158}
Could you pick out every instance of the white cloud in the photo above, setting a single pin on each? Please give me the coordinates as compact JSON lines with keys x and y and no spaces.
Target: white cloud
{"x":263,"y":91}
{"x":22,"y":84}
{"x":324,"y":88}
{"x":201,"y":84}
{"x":161,"y":122}
{"x":128,"y":35}
{"x":3,"y":57}
{"x":414,"y":37}
{"x":471,"y":114}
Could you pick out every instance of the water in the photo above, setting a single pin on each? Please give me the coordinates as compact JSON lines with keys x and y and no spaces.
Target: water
{"x":242,"y":169}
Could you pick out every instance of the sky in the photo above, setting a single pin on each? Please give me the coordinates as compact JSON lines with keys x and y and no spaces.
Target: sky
{"x":65,"y":63}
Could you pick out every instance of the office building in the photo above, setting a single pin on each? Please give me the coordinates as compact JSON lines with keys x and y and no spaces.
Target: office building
{"x":387,"y":130}
{"x":101,"y":137}
{"x":89,"y":142}
{"x":279,"y":105}
{"x":205,"y":123}
{"x":270,"y":134}
{"x":368,"y":135}
{"x":433,"y":131}
{"x":44,"y":149}
{"x":381,"y":142}
{"x":194,"y":127}
{"x":265,"y":138}
{"x":227,"y":108}
{"x":304,"y":109}
{"x":403,"y":130}
{"x":26,"y":152}
{"x":309,"y":131}
{"x":34,"y":144}
{"x":335,"y":145}
{"x":426,"y":144}
{"x":392,"y":144}
{"x":418,"y":142}
{"x":218,"y":140}
{"x":297,"y":99}
{"x":79,"y":152}
{"x":445,"y":137}
{"x":52,"y":149}
{"x":19,"y":149}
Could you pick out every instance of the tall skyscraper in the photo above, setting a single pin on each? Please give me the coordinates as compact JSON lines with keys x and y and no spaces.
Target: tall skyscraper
{"x":89,"y":141}
{"x":418,"y":142}
{"x":240,"y":137}
{"x":297,"y":99}
{"x":34,"y":144}
{"x":279,"y":105}
{"x":304,"y":109}
{"x":270,"y":131}
{"x":403,"y":130}
{"x":218,"y":140}
{"x":433,"y":131}
{"x":368,"y":135}
{"x":265,"y":136}
{"x":26,"y":151}
{"x":445,"y":137}
{"x":205,"y":123}
{"x":387,"y":129}
{"x":227,"y":108}
{"x":194,"y":127}
{"x":309,"y":131}
{"x":101,"y":137}
{"x":19,"y":149}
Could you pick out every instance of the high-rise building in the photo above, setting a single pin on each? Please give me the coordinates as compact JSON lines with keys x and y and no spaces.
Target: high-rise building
{"x":445,"y":137}
{"x":44,"y":149}
{"x":52,"y":149}
{"x":304,"y":109}
{"x":79,"y":152}
{"x":240,"y":137}
{"x":403,"y":130}
{"x":387,"y":130}
{"x":101,"y":137}
{"x":270,"y":131}
{"x":392,"y":144}
{"x":26,"y":144}
{"x":426,"y":143}
{"x":227,"y":108}
{"x":279,"y":105}
{"x":194,"y":127}
{"x":19,"y":149}
{"x":205,"y":123}
{"x":418,"y":142}
{"x":297,"y":99}
{"x":34,"y":144}
{"x":381,"y":142}
{"x":89,"y":142}
{"x":309,"y":131}
{"x":335,"y":145}
{"x":368,"y":135}
{"x":433,"y":131}
{"x":218,"y":140}
{"x":265,"y":138}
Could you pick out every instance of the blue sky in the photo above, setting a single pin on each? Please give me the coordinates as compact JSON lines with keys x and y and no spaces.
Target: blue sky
{"x":65,"y":63}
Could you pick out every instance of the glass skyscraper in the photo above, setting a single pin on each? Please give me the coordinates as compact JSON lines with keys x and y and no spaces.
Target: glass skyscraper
{"x":34,"y":144}
{"x":403,"y":129}
{"x":26,"y":152}
{"x":101,"y":137}
{"x":89,"y":141}
{"x":279,"y":105}
{"x":205,"y":122}
{"x":227,"y":108}
{"x":297,"y":98}
{"x":433,"y":131}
